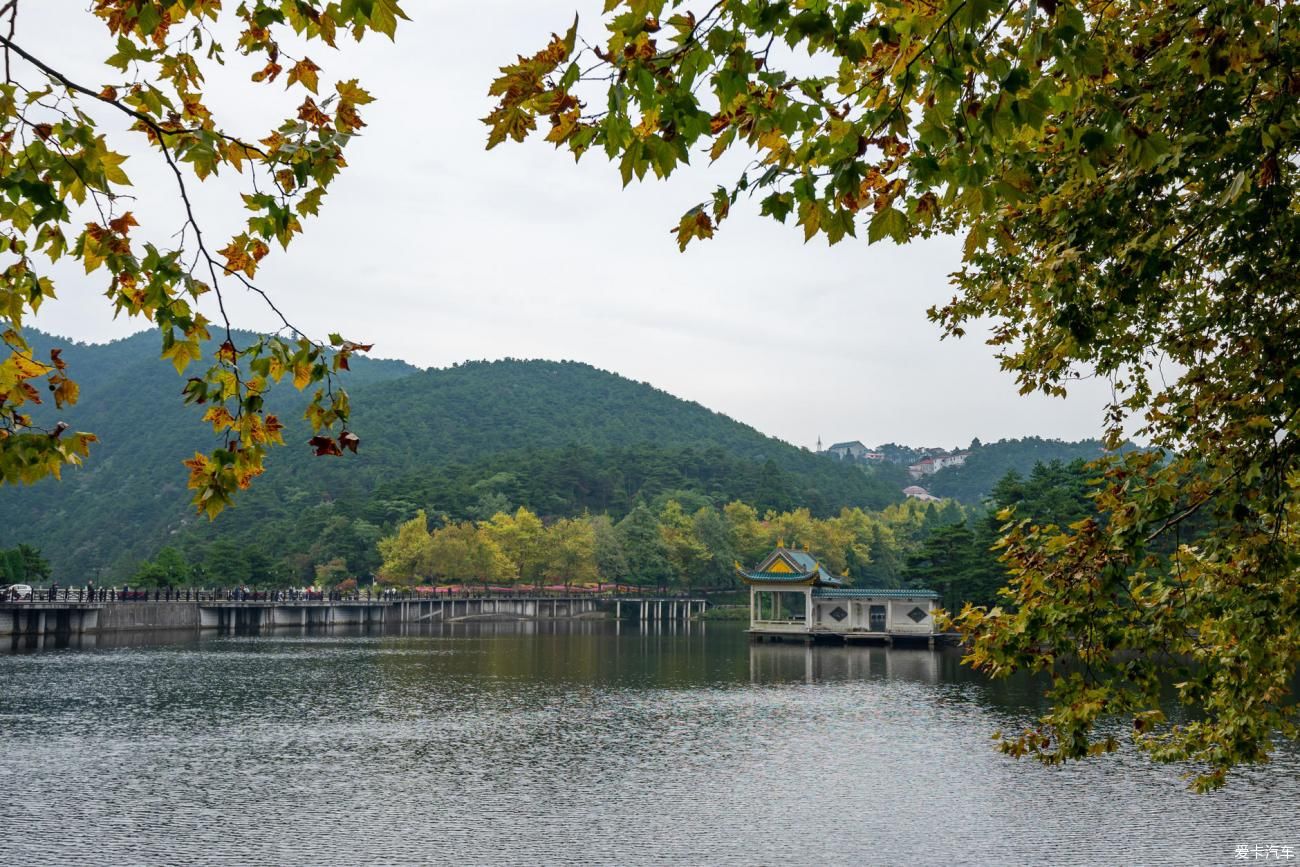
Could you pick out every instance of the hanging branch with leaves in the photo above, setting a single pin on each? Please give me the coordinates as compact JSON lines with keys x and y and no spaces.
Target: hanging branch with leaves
{"x":1124,"y":174}
{"x":64,"y":192}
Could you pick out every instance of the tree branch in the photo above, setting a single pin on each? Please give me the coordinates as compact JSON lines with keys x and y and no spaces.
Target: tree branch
{"x":145,"y":119}
{"x":11,"y":8}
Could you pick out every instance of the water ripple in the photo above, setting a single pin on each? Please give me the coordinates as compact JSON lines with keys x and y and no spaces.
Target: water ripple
{"x":493,"y":747}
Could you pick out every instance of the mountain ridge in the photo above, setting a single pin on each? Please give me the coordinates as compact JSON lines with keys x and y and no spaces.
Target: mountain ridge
{"x":428,"y":431}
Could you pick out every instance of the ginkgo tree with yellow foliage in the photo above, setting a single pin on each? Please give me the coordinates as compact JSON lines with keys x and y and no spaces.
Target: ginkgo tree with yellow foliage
{"x":1124,"y":176}
{"x":65,"y":192}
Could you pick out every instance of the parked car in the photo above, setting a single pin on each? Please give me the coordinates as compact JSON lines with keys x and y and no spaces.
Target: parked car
{"x":15,"y":592}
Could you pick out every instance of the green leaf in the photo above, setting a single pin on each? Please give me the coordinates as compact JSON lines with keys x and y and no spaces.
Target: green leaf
{"x":888,"y":223}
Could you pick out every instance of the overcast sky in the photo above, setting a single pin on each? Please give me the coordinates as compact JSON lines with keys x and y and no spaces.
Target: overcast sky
{"x":438,"y":251}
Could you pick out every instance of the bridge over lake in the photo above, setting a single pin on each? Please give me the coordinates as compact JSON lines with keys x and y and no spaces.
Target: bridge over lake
{"x":75,"y":613}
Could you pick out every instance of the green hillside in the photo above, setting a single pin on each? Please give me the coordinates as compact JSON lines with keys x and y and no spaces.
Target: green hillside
{"x":989,"y":463}
{"x":558,"y":437}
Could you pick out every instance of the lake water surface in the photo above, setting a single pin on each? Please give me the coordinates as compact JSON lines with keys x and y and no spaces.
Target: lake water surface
{"x":571,"y":743}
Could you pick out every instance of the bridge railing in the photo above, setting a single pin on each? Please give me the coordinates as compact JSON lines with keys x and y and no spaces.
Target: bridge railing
{"x":189,"y":594}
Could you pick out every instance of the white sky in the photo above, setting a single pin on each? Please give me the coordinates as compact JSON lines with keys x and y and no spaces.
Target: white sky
{"x":438,"y":251}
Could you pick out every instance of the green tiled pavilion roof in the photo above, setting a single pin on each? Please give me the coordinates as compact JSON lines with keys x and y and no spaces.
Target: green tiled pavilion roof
{"x":805,"y":562}
{"x":778,"y":577}
{"x":867,"y":593}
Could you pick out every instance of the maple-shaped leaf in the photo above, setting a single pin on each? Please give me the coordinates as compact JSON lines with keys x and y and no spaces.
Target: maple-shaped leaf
{"x":302,"y":375}
{"x":325,"y":445}
{"x":268,"y":72}
{"x":273,"y":427}
{"x":304,"y":71}
{"x":122,"y":225}
{"x":199,"y":469}
{"x":29,"y":393}
{"x":349,"y":91}
{"x":65,"y":391}
{"x":512,"y":122}
{"x":694,"y":224}
{"x":349,"y":441}
{"x":27,"y":368}
{"x":237,"y":259}
{"x":311,"y":113}
{"x":220,"y":418}
{"x":346,"y":118}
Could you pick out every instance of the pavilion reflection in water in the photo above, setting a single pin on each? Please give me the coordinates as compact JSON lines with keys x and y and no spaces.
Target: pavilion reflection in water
{"x":786,"y":662}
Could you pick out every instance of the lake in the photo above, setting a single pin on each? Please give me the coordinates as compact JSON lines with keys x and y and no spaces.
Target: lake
{"x":582,"y":742}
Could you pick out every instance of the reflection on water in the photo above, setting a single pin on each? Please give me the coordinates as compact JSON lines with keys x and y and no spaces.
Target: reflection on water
{"x":579,"y":742}
{"x":784,"y":663}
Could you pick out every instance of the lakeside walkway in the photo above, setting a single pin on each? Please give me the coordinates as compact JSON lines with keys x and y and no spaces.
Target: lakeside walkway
{"x":71,"y":611}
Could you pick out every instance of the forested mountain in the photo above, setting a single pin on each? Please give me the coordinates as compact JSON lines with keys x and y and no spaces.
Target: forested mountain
{"x":557,"y":437}
{"x":988,"y":463}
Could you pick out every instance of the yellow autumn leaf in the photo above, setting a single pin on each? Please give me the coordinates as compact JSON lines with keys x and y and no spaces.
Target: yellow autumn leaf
{"x":304,"y":71}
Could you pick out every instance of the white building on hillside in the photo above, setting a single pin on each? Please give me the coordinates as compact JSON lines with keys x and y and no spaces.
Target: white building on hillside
{"x":932,"y":464}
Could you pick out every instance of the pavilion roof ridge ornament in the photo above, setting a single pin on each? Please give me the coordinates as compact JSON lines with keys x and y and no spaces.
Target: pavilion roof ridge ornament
{"x":789,"y":567}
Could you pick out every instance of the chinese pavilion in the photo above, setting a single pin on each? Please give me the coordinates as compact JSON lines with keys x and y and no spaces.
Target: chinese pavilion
{"x":791,"y":595}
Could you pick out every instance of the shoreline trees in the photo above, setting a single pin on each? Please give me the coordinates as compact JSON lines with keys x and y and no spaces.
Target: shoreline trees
{"x":660,"y":549}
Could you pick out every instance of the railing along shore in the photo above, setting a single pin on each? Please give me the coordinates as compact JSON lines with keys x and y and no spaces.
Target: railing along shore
{"x":188,"y":594}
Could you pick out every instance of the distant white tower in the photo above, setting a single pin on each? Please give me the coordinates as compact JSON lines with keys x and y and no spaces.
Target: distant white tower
{"x":819,"y":443}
